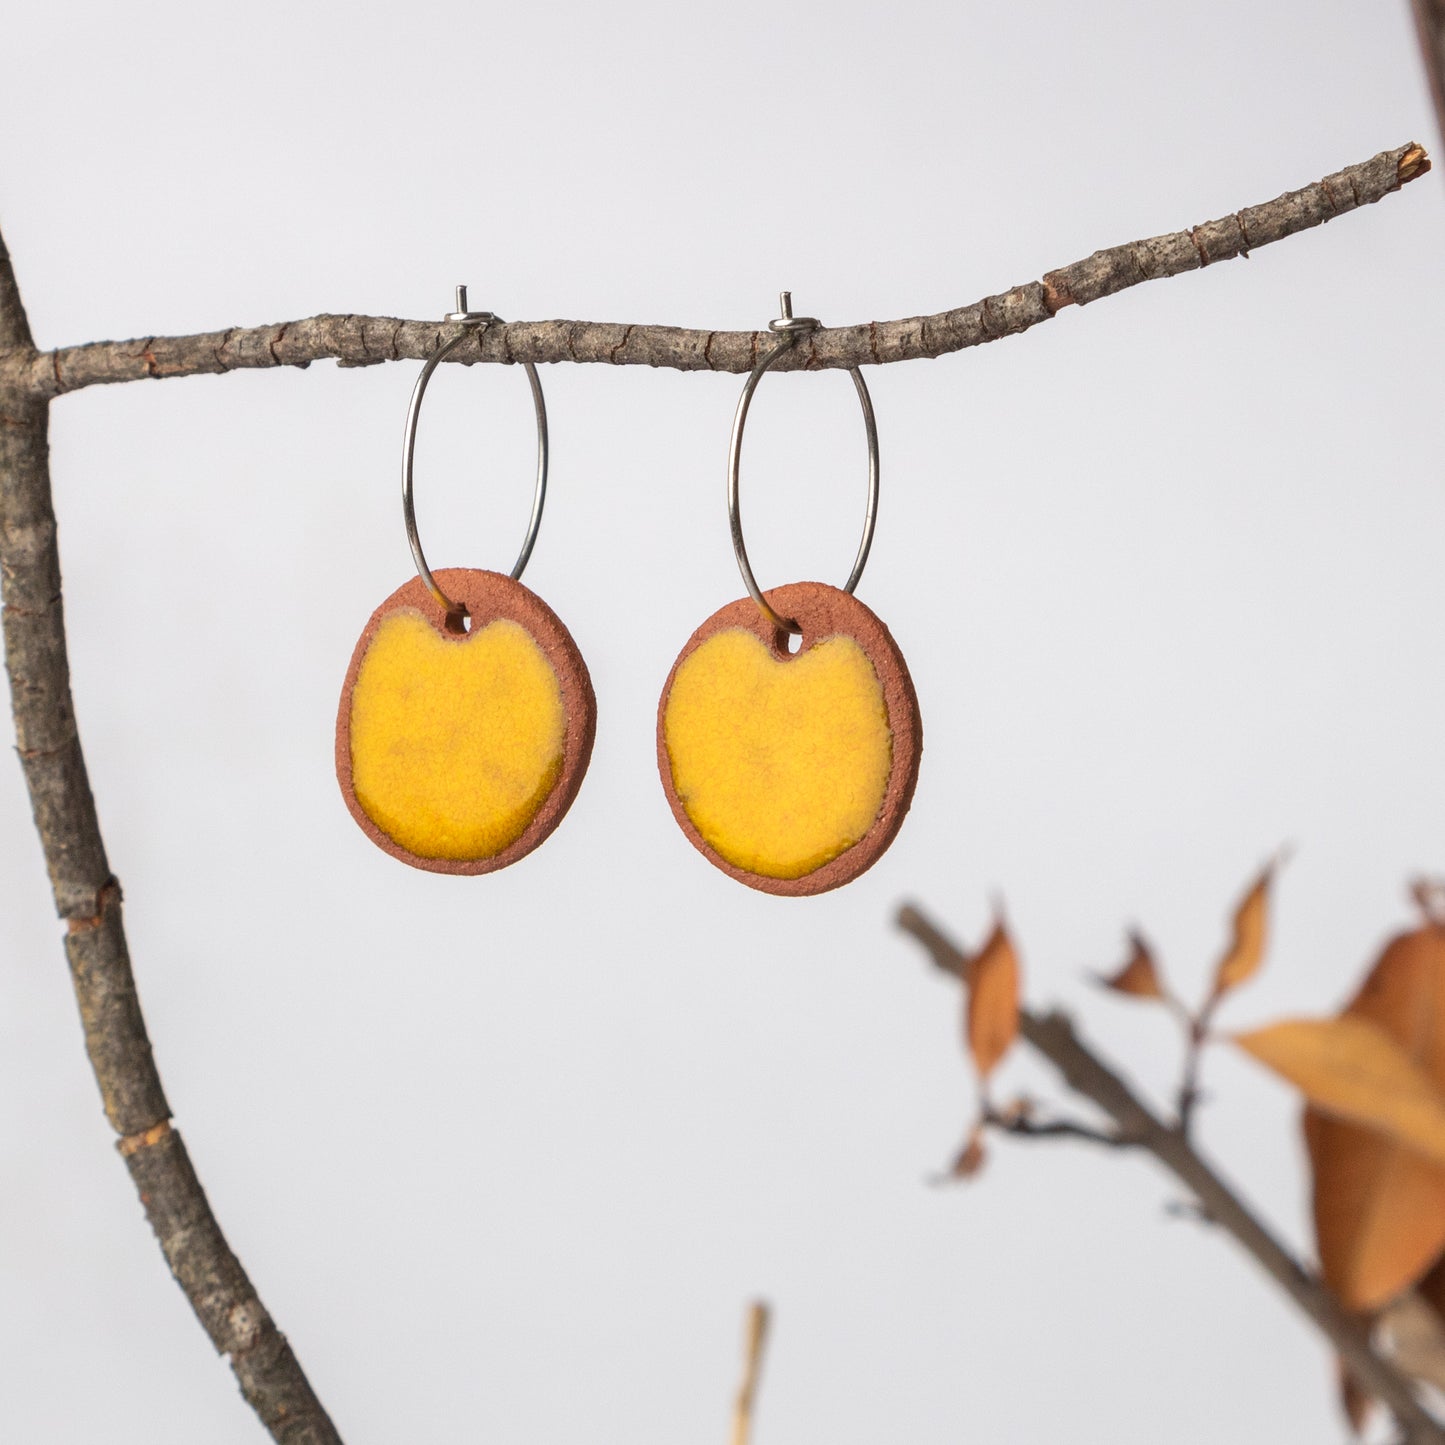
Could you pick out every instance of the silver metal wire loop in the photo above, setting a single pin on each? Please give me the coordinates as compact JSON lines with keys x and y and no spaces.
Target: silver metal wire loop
{"x":788,"y":328}
{"x":469,"y":321}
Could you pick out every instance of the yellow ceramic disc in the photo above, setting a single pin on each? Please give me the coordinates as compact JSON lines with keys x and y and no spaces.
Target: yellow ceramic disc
{"x":455,"y":742}
{"x":781,"y":764}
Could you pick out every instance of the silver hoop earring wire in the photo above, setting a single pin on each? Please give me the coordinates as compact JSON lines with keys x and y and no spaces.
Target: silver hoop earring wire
{"x":470,"y":322}
{"x":788,"y":328}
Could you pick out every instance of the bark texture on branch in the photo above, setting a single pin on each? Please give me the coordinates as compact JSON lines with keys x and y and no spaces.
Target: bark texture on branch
{"x":1139,"y":1127}
{"x":88,"y":898}
{"x":365,"y":340}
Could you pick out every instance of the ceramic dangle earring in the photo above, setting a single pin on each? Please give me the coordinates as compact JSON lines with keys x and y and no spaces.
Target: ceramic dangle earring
{"x":467,"y":715}
{"x":791,"y":771}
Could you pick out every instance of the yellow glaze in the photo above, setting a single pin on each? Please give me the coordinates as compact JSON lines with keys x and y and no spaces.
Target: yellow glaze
{"x":781,"y":765}
{"x":455,"y":742}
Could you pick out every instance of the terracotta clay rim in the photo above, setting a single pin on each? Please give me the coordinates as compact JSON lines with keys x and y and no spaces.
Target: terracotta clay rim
{"x":487,"y":596}
{"x":822,"y":612}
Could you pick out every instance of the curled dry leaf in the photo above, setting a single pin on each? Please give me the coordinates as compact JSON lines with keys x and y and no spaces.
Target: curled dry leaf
{"x":1245,"y":953}
{"x":1139,"y":976}
{"x":1352,"y":1069}
{"x":992,"y":1021}
{"x":1379,"y":1205}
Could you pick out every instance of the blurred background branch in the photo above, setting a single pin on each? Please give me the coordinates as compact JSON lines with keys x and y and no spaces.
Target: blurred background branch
{"x":1053,"y":1035}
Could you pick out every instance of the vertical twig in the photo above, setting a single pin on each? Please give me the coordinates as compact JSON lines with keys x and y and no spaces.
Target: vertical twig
{"x":1196,"y":1031}
{"x":753,"y":1347}
{"x":88,"y":897}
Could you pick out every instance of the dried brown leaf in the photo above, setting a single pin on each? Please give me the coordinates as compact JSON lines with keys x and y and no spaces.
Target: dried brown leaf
{"x":1351,"y":1068}
{"x":992,"y":1021}
{"x":1245,"y":953}
{"x":1379,"y":1206}
{"x":1139,"y":975}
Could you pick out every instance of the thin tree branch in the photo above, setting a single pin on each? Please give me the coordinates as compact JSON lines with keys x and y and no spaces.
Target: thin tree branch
{"x":1053,"y":1036}
{"x":1189,"y":1090}
{"x":753,"y":1347}
{"x":1430,"y":27}
{"x":88,"y":897}
{"x":1025,"y":1126}
{"x":364,"y":340}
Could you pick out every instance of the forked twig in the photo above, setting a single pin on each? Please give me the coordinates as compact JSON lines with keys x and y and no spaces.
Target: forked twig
{"x":1087,"y":1074}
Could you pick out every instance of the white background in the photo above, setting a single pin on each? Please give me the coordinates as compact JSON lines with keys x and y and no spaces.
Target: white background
{"x":506,"y":1156}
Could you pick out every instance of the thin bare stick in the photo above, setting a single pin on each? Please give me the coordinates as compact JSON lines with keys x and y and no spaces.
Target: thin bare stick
{"x":1088,"y":1075}
{"x":755,"y":1343}
{"x":364,"y":340}
{"x":1027,"y":1127}
{"x":87,"y":896}
{"x":1195,"y":1034}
